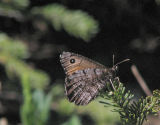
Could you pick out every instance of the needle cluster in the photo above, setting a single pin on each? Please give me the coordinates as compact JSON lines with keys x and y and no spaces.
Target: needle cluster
{"x":131,"y":112}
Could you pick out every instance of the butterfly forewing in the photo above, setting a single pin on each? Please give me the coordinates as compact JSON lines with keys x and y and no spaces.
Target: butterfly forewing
{"x":72,"y":62}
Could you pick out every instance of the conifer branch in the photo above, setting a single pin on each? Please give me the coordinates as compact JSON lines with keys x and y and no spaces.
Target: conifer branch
{"x":131,"y":112}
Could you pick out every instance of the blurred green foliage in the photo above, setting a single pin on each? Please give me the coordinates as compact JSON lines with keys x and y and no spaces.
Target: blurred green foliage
{"x":13,"y":47}
{"x":74,"y":22}
{"x":74,"y":120}
{"x":100,"y":114}
{"x":13,"y":8}
{"x":36,"y":107}
{"x":17,"y":4}
{"x":11,"y":54}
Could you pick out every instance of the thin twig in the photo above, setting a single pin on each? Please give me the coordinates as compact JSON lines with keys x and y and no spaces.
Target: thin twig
{"x":140,"y":80}
{"x":0,"y":86}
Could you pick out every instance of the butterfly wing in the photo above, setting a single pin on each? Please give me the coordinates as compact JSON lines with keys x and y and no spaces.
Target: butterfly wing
{"x":84,"y":77}
{"x":84,"y":85}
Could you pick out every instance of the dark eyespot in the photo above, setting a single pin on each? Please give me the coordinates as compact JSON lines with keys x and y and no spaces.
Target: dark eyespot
{"x":72,"y":60}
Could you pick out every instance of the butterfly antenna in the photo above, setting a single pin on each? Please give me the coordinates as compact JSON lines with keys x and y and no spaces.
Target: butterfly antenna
{"x":126,"y":60}
{"x":113,"y":59}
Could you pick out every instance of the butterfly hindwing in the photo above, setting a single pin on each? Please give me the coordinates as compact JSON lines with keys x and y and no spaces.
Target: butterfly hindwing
{"x":83,"y":86}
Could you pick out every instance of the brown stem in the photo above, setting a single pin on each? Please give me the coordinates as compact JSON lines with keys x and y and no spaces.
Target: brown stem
{"x":140,"y":80}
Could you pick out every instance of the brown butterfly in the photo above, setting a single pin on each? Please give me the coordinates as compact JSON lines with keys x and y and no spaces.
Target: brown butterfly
{"x":85,"y":78}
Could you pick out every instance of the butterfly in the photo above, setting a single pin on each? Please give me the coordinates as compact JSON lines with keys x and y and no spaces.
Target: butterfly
{"x":85,"y":78}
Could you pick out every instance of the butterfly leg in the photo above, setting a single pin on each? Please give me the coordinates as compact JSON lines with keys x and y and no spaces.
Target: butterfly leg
{"x":117,"y":81}
{"x":112,"y":84}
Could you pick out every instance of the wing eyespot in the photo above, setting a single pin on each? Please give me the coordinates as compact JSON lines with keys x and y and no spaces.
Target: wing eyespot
{"x":72,"y":61}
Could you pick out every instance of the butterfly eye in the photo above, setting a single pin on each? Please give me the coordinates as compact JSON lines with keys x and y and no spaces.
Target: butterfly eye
{"x":72,"y":60}
{"x":116,"y":68}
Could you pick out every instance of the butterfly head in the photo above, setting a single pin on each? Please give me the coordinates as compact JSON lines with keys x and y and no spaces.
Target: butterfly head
{"x":115,"y":67}
{"x":111,"y":72}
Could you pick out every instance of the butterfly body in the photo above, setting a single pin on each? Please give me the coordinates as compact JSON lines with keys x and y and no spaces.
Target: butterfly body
{"x":85,"y":78}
